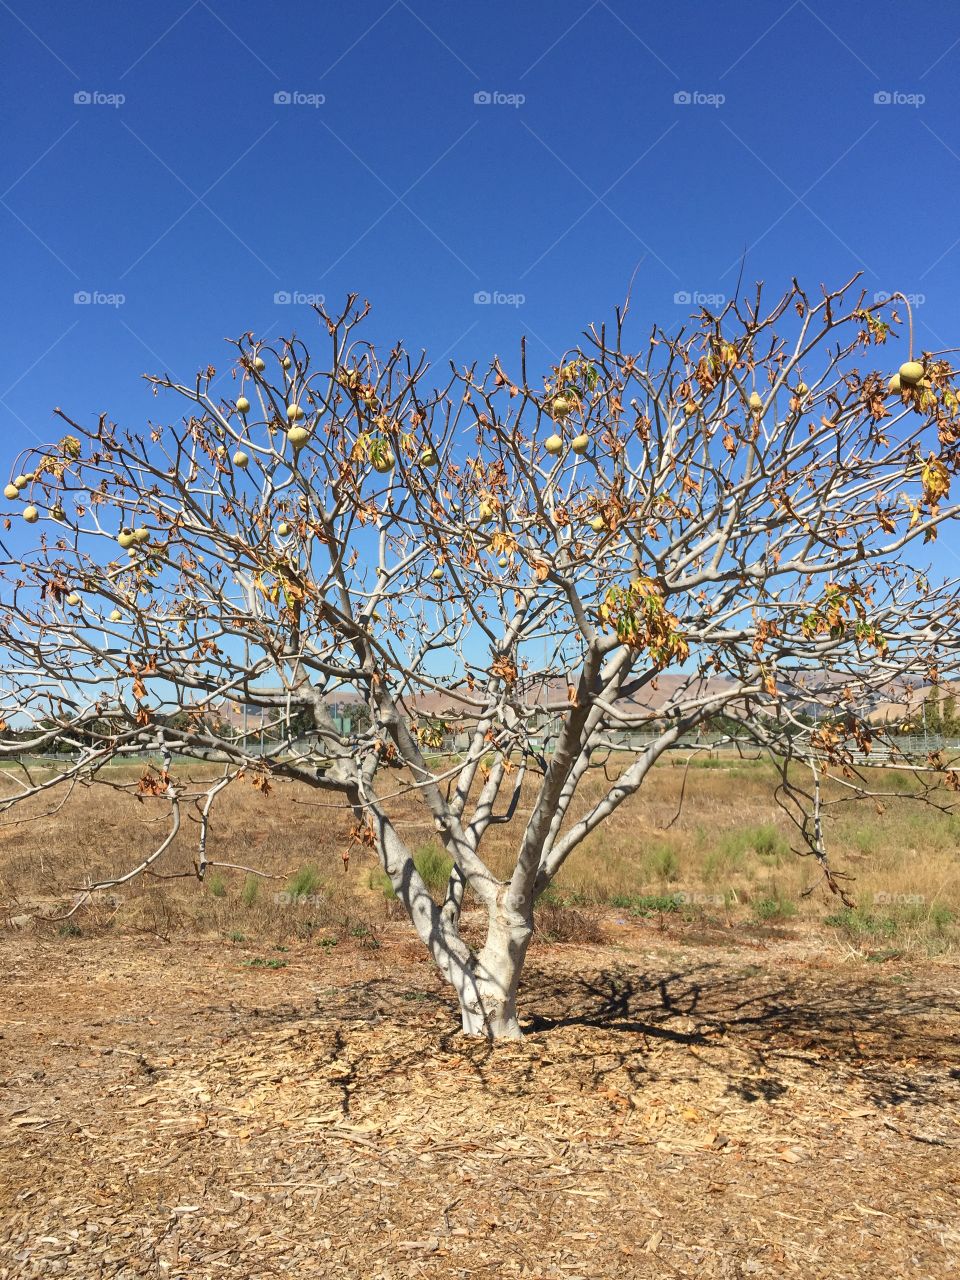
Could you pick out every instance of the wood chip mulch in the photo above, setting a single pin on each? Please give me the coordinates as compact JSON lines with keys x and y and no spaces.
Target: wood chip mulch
{"x":710,"y":1111}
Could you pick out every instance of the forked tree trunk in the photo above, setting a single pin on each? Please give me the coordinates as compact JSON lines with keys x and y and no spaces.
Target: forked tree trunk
{"x":488,"y":992}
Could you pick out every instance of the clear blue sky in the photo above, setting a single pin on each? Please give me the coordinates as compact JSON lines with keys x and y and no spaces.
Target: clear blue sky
{"x":198,"y":198}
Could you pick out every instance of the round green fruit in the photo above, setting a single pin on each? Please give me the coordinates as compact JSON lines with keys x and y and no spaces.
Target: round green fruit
{"x":259,"y":364}
{"x":561,"y":406}
{"x":503,"y":562}
{"x":31,"y":515}
{"x":283,"y":529}
{"x":429,"y":458}
{"x":240,"y":459}
{"x":911,"y":373}
{"x":298,"y":436}
{"x":141,"y":534}
{"x":126,"y":538}
{"x":553,"y":444}
{"x":437,"y":574}
{"x":383,"y":461}
{"x":597,"y":524}
{"x":294,"y":413}
{"x":115,"y":615}
{"x":21,"y":482}
{"x":580,"y":444}
{"x":11,"y":491}
{"x":243,"y":404}
{"x":73,"y":599}
{"x":286,"y":362}
{"x":893,"y":386}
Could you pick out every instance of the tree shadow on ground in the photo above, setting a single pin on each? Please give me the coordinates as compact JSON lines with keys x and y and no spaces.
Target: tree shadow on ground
{"x":759,"y":1032}
{"x":903,"y":1043}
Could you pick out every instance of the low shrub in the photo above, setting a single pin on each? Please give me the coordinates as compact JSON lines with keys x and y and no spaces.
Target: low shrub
{"x":306,"y":882}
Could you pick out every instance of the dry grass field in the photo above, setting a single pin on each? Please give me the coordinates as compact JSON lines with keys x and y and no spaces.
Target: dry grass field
{"x":258,"y":1077}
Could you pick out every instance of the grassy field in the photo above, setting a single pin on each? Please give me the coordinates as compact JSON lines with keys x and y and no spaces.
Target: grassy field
{"x":724,"y":857}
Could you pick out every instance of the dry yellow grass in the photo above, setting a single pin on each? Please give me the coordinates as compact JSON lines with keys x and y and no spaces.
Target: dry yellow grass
{"x":724,"y":855}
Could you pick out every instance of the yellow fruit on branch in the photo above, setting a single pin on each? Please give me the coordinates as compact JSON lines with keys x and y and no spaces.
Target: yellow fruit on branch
{"x":560,"y":406}
{"x":294,"y":413}
{"x":381,"y":457}
{"x":73,"y":599}
{"x":893,"y":386}
{"x":597,"y":524}
{"x":141,"y":535}
{"x":243,"y":404}
{"x":429,"y":458}
{"x":115,"y":615}
{"x":126,"y":538}
{"x":31,"y":515}
{"x":259,"y":364}
{"x":910,"y":373}
{"x":240,"y":459}
{"x":580,"y":444}
{"x":437,"y":574}
{"x":298,"y":436}
{"x":553,"y":444}
{"x":284,"y":529}
{"x":21,"y":482}
{"x":11,"y":491}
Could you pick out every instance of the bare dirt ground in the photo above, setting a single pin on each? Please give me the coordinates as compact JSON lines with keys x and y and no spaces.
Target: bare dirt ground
{"x":684,"y":1104}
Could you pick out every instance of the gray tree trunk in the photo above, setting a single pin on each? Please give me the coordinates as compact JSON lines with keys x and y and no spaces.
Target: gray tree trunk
{"x":488,"y":994}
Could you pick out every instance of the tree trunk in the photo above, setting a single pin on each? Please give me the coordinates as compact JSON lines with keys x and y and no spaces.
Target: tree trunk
{"x":488,"y":993}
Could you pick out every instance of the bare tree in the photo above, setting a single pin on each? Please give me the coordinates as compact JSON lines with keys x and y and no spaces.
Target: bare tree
{"x":712,"y":529}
